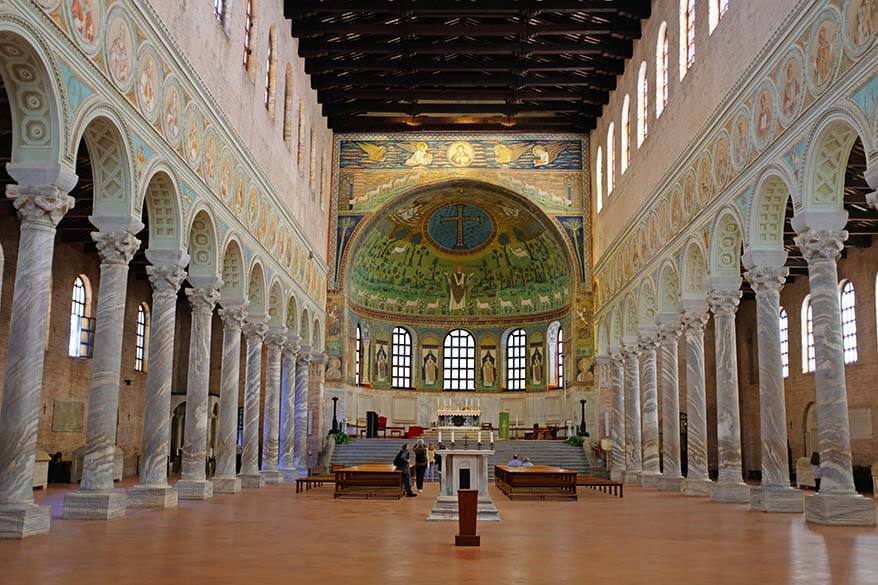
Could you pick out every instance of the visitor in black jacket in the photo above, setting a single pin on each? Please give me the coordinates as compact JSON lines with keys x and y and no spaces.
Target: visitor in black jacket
{"x":401,"y":462}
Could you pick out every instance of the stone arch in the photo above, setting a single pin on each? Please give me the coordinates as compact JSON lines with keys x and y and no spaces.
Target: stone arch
{"x":256,"y":293}
{"x":830,"y":147}
{"x":305,"y":327}
{"x":629,"y":319}
{"x":292,"y":315}
{"x":202,"y":246}
{"x":34,"y":99}
{"x":161,"y":199}
{"x":725,"y":245}
{"x":694,"y":280}
{"x":668,"y":297}
{"x":603,"y":339}
{"x":768,"y":210}
{"x":646,"y":304}
{"x":317,"y":338}
{"x":105,"y":138}
{"x":276,"y":315}
{"x":234,"y":286}
{"x":615,"y":330}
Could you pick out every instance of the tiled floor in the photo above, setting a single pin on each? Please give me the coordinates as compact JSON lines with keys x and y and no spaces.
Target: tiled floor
{"x":276,"y":536}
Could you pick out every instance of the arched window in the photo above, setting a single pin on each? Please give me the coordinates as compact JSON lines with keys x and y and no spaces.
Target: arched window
{"x":459,"y":361}
{"x":809,"y":358}
{"x":599,"y":179}
{"x":270,"y":65}
{"x":717,"y":9}
{"x":560,"y":358}
{"x":784,"y":321}
{"x":401,"y":358}
{"x":219,"y":10}
{"x":312,"y":166}
{"x":516,"y":360}
{"x":611,"y":158}
{"x":687,"y":36}
{"x":288,"y":105}
{"x":300,"y":150}
{"x":358,"y":356}
{"x":81,"y":324}
{"x":248,"y":33}
{"x":625,"y":134}
{"x":141,"y":337}
{"x":661,"y":70}
{"x":642,"y":104}
{"x":847,"y":300}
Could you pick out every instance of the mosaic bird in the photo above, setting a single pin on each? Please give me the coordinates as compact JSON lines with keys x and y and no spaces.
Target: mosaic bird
{"x":373,"y":151}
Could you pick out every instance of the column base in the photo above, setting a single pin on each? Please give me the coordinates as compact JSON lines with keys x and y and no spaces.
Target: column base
{"x":649,"y":479}
{"x":252,"y":482}
{"x":730,"y":493}
{"x":289,"y":474}
{"x":776,"y":499}
{"x":226,"y":485}
{"x":840,"y":510}
{"x":617,"y":474}
{"x":194,"y":489}
{"x":697,"y":487}
{"x":23,"y":520}
{"x":272,"y":477}
{"x":95,"y":505}
{"x":632,"y":478}
{"x":144,"y":496}
{"x":669,"y":484}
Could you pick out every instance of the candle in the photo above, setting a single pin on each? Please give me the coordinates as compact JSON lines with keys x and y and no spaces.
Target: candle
{"x":480,"y":436}
{"x":492,"y":437}
{"x":452,"y":437}
{"x":440,"y":436}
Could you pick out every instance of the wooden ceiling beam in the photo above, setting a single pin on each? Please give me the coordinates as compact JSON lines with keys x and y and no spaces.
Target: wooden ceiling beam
{"x":473,"y":81}
{"x":608,"y":49}
{"x":455,"y":108}
{"x":315,"y":28}
{"x":637,"y":9}
{"x":319,"y":66}
{"x":544,"y":95}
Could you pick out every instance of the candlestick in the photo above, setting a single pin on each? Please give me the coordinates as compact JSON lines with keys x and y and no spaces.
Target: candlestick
{"x":452,"y":437}
{"x":440,"y":436}
{"x":480,"y":437}
{"x":492,"y":437}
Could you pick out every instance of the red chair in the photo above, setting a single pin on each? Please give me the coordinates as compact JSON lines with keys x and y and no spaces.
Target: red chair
{"x":382,"y":424}
{"x":414,"y":432}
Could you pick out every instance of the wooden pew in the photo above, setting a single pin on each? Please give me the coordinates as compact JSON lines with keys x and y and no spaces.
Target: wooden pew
{"x":380,"y":481}
{"x":601,"y":484}
{"x":306,"y":483}
{"x":536,"y":483}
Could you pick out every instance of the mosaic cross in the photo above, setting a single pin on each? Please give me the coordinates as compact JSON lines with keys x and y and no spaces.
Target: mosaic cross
{"x":461,"y":220}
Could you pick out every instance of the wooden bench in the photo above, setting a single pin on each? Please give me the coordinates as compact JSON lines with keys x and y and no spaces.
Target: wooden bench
{"x":601,"y":484}
{"x":306,"y":483}
{"x":536,"y":483}
{"x":373,"y":481}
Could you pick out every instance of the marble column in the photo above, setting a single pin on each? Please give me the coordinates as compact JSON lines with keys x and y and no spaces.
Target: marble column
{"x":96,"y":498}
{"x":730,"y":486}
{"x":617,"y":417}
{"x":838,"y":501}
{"x":255,"y":330}
{"x":633,"y":459}
{"x":153,"y":491}
{"x":275,"y":341}
{"x":287,"y":461}
{"x":697,"y":482}
{"x":194,"y":484}
{"x":671,"y":479}
{"x":649,"y":404}
{"x":39,"y":209}
{"x":775,"y":493}
{"x":226,"y":480}
{"x":315,"y":408}
{"x":300,"y":458}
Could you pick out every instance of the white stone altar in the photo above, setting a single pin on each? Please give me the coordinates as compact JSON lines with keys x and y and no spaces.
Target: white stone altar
{"x":468,"y":418}
{"x":464,"y":469}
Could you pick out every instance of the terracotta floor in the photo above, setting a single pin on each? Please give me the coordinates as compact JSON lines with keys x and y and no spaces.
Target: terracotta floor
{"x":277,"y":536}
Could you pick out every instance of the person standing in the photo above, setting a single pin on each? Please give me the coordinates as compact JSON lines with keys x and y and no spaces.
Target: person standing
{"x":815,"y":469}
{"x":401,"y":463}
{"x":420,"y":464}
{"x":431,"y":462}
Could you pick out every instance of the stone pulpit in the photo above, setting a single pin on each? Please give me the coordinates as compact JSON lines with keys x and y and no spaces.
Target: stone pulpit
{"x":463,"y":469}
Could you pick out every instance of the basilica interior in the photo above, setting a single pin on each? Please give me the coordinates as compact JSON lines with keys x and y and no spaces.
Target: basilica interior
{"x":251,"y":249}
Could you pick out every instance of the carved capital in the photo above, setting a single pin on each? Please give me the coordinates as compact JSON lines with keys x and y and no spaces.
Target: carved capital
{"x":817,"y":245}
{"x":255,"y":330}
{"x":694,"y":322}
{"x":647,"y":344}
{"x":724,"y":302}
{"x":617,"y":360}
{"x":291,"y":347}
{"x":41,"y":204}
{"x":276,"y":339}
{"x":233,"y":317}
{"x":304,"y":359}
{"x":116,"y":247}
{"x":631,"y":351}
{"x":767,"y":279}
{"x":165,"y":281}
{"x":202,"y":300}
{"x":668,"y":332}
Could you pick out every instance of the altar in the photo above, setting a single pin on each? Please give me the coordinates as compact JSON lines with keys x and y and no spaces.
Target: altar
{"x":466,"y":417}
{"x":464,"y":469}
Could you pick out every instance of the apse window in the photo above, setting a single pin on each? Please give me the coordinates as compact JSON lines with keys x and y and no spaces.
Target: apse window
{"x":141,"y":337}
{"x":248,"y":33}
{"x":809,"y":357}
{"x":401,"y":358}
{"x":358,"y":356}
{"x":784,"y":321}
{"x":516,"y":360}
{"x":661,"y":70}
{"x":81,"y":340}
{"x":847,"y":300}
{"x":687,"y":36}
{"x":560,"y":358}
{"x":459,"y":361}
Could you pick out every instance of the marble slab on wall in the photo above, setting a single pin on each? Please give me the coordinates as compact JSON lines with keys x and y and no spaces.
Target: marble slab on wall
{"x":68,"y":416}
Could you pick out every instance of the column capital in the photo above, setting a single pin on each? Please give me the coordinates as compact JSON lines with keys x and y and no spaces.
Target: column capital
{"x":694,"y":321}
{"x":724,"y":302}
{"x":40,"y":204}
{"x":276,"y":337}
{"x":871,"y":176}
{"x":631,"y":350}
{"x":165,"y":281}
{"x":291,"y":347}
{"x":234,"y":316}
{"x":202,"y":300}
{"x":116,"y":247}
{"x":668,"y":332}
{"x":767,"y":279}
{"x":617,"y":359}
{"x":648,"y":343}
{"x":820,"y":244}
{"x":601,"y":360}
{"x":255,"y":329}
{"x":319,"y":358}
